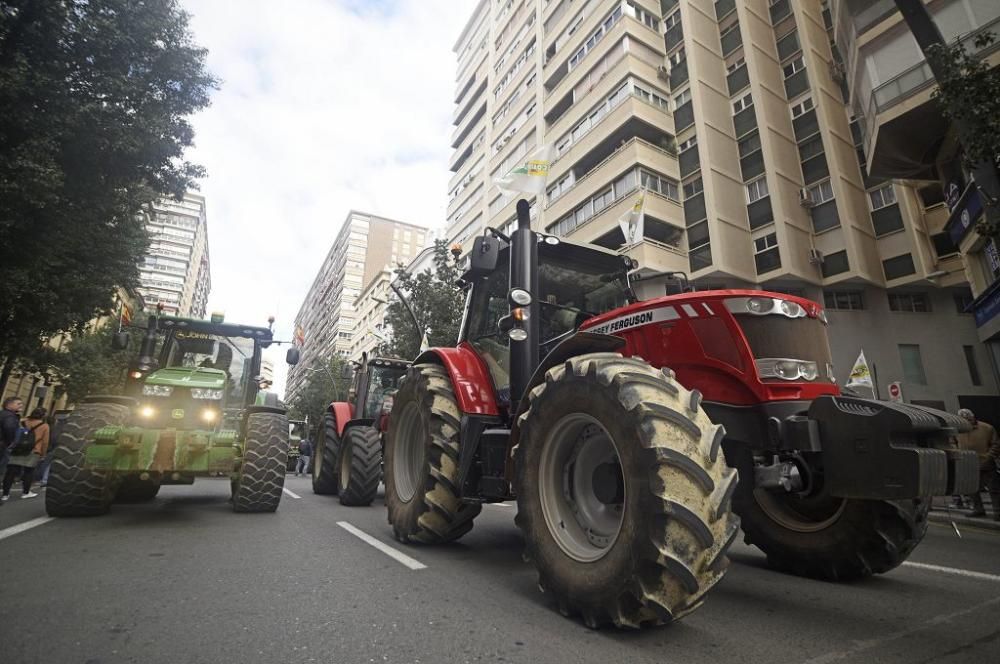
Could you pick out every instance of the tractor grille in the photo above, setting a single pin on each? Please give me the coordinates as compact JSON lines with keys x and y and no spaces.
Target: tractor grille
{"x":789,"y":338}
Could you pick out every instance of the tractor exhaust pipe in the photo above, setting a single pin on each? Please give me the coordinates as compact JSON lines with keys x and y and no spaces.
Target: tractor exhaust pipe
{"x":524,"y":276}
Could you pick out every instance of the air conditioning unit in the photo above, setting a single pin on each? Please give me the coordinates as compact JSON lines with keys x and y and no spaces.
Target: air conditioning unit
{"x":838,"y":72}
{"x":816,"y":256}
{"x":663,"y":72}
{"x":805,"y":199}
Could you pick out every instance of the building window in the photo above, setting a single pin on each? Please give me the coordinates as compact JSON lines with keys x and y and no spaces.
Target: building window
{"x":793,"y":67}
{"x":821,"y":193}
{"x":898,"y":266}
{"x":677,"y":57}
{"x":970,"y":360}
{"x":963,"y":301}
{"x":913,"y":365}
{"x":750,"y":144}
{"x":915,"y":302}
{"x":844,"y":300}
{"x":756,"y":190}
{"x":835,"y":263}
{"x":766,"y":254}
{"x":744,"y":102}
{"x":803,"y":106}
{"x":689,"y":143}
{"x":736,"y":64}
{"x":693,"y":188}
{"x":682,"y":98}
{"x":943,"y":246}
{"x":764,"y":243}
{"x":671,"y":20}
{"x":882,"y":196}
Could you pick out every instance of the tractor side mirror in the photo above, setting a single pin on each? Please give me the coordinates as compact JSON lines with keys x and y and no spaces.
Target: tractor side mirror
{"x":484,"y":256}
{"x":120,"y":340}
{"x":292,"y":356}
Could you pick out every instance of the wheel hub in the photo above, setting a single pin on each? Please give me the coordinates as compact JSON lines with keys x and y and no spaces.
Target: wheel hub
{"x":581,"y":487}
{"x":408,"y":453}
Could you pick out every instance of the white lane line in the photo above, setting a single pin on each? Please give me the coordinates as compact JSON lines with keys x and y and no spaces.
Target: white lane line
{"x":953,"y":570}
{"x":21,"y":527}
{"x":398,"y":556}
{"x":292,"y":494}
{"x":499,"y":504}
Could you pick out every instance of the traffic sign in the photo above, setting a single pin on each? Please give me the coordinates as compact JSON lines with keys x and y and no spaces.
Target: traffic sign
{"x":895,"y":391}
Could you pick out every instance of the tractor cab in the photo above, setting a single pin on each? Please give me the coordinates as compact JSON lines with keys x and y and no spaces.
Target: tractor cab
{"x":375,"y":382}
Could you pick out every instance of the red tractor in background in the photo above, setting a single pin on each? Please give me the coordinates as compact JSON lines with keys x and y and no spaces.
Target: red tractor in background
{"x":348,"y":455}
{"x":626,"y":471}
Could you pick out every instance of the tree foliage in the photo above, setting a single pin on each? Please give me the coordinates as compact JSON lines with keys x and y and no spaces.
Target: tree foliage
{"x":436,"y":301}
{"x":88,"y":365}
{"x":969,"y":94}
{"x":325,"y":382}
{"x":94,"y":96}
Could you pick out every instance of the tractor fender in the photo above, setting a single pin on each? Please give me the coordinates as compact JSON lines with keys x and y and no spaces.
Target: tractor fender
{"x":469,"y":376}
{"x":578,"y":343}
{"x":341,"y":411}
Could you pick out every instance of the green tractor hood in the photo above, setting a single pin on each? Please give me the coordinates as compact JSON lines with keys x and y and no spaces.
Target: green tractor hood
{"x":188,"y":377}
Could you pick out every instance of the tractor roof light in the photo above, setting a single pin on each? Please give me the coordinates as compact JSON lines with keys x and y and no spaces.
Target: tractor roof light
{"x":517,"y":334}
{"x":520,"y":297}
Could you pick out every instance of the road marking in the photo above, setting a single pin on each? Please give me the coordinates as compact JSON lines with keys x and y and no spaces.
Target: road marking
{"x":499,"y":504}
{"x":867,"y":644}
{"x":21,"y":527}
{"x":398,"y":556}
{"x":292,"y":494}
{"x":953,"y":570}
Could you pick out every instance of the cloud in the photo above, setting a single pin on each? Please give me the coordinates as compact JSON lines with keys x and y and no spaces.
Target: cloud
{"x":324,"y":107}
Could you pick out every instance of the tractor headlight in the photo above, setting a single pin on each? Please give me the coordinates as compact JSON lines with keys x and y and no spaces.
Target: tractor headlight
{"x":791,"y":309}
{"x":786,"y":369}
{"x":520,"y":297}
{"x":759,"y":305}
{"x":205,"y":393}
{"x":763,"y":306}
{"x":517,"y":334}
{"x":157,"y":390}
{"x":209,"y":415}
{"x":147,"y":411}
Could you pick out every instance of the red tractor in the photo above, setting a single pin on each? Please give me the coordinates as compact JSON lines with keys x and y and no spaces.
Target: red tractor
{"x":348,"y":455}
{"x":624,"y":470}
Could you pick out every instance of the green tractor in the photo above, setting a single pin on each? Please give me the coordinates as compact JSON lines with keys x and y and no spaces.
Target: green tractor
{"x":196,"y":411}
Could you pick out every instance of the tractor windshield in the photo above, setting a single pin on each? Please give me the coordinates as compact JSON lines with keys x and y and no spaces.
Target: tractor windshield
{"x":234,"y":355}
{"x":575,"y":283}
{"x":384,"y":383}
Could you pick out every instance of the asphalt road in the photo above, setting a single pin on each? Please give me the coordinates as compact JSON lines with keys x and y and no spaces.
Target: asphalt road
{"x":183,"y":579}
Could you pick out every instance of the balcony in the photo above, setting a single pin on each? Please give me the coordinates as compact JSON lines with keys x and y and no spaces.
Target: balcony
{"x":462,"y":110}
{"x":599,"y":173}
{"x":462,"y":131}
{"x":900,"y":136}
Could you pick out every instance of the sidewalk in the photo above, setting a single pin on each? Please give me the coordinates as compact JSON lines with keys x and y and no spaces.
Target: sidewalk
{"x":942,"y":512}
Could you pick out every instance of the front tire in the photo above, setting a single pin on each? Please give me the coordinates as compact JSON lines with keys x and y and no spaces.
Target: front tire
{"x":835,"y":539}
{"x":622,"y":494}
{"x":360,"y":466}
{"x":261,"y":475}
{"x":324,"y":470}
{"x":73,"y":489}
{"x":421,"y":460}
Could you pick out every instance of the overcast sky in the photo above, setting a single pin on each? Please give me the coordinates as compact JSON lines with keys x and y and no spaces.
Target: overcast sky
{"x":325,"y":106}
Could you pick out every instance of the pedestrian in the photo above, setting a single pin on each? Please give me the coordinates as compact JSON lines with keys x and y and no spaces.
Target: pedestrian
{"x":305,"y":452}
{"x":10,"y":416}
{"x":984,"y":442}
{"x":25,"y":453}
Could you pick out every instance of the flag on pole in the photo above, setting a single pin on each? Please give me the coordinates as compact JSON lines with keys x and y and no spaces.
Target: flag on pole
{"x":860,"y":374}
{"x":424,"y":343}
{"x":530,"y":175}
{"x":300,"y":336}
{"x":633,"y":221}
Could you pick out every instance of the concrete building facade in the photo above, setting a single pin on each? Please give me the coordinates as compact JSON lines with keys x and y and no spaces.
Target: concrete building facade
{"x":365,"y":247}
{"x":176,"y":271}
{"x":731,"y":116}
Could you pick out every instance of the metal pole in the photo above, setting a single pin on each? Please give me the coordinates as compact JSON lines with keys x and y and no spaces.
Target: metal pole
{"x":524,"y":275}
{"x":875,"y":392}
{"x":409,"y":309}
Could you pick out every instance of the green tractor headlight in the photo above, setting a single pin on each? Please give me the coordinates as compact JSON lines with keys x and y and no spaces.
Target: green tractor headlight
{"x":157,"y":390}
{"x":205,"y":393}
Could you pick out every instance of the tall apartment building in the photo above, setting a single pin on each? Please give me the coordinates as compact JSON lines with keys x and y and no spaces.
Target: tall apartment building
{"x":732,"y":117}
{"x":904,"y":135}
{"x":365,"y":245}
{"x":176,"y":271}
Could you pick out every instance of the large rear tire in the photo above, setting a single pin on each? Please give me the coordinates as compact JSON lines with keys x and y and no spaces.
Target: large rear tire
{"x":835,"y":539}
{"x":360,"y":466}
{"x":261,"y":475}
{"x":421,"y":460}
{"x":622,"y":493}
{"x":73,"y":489}
{"x":324,"y":470}
{"x":134,"y":490}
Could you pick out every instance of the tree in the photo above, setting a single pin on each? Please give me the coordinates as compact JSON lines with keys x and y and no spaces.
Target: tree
{"x":969,"y":95}
{"x":94,"y":96}
{"x":88,"y":365}
{"x":436,"y":301}
{"x":325,"y":383}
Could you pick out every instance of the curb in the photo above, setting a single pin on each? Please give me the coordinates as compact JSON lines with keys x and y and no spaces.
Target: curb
{"x":941,"y":516}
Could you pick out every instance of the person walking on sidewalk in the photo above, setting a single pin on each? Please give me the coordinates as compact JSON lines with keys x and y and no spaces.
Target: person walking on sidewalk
{"x":26,"y":453}
{"x":984,"y":442}
{"x":305,"y":451}
{"x":10,"y":416}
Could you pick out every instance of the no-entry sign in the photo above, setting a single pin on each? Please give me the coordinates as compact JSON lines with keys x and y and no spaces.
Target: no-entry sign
{"x":895,"y":391}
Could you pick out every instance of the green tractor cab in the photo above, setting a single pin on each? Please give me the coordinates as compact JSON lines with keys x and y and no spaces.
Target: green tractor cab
{"x":193,"y":407}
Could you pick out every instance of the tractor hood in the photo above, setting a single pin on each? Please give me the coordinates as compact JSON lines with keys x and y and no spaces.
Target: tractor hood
{"x":188,"y":377}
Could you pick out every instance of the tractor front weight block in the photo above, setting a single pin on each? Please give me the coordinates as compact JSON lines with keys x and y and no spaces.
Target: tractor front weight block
{"x":890,"y":451}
